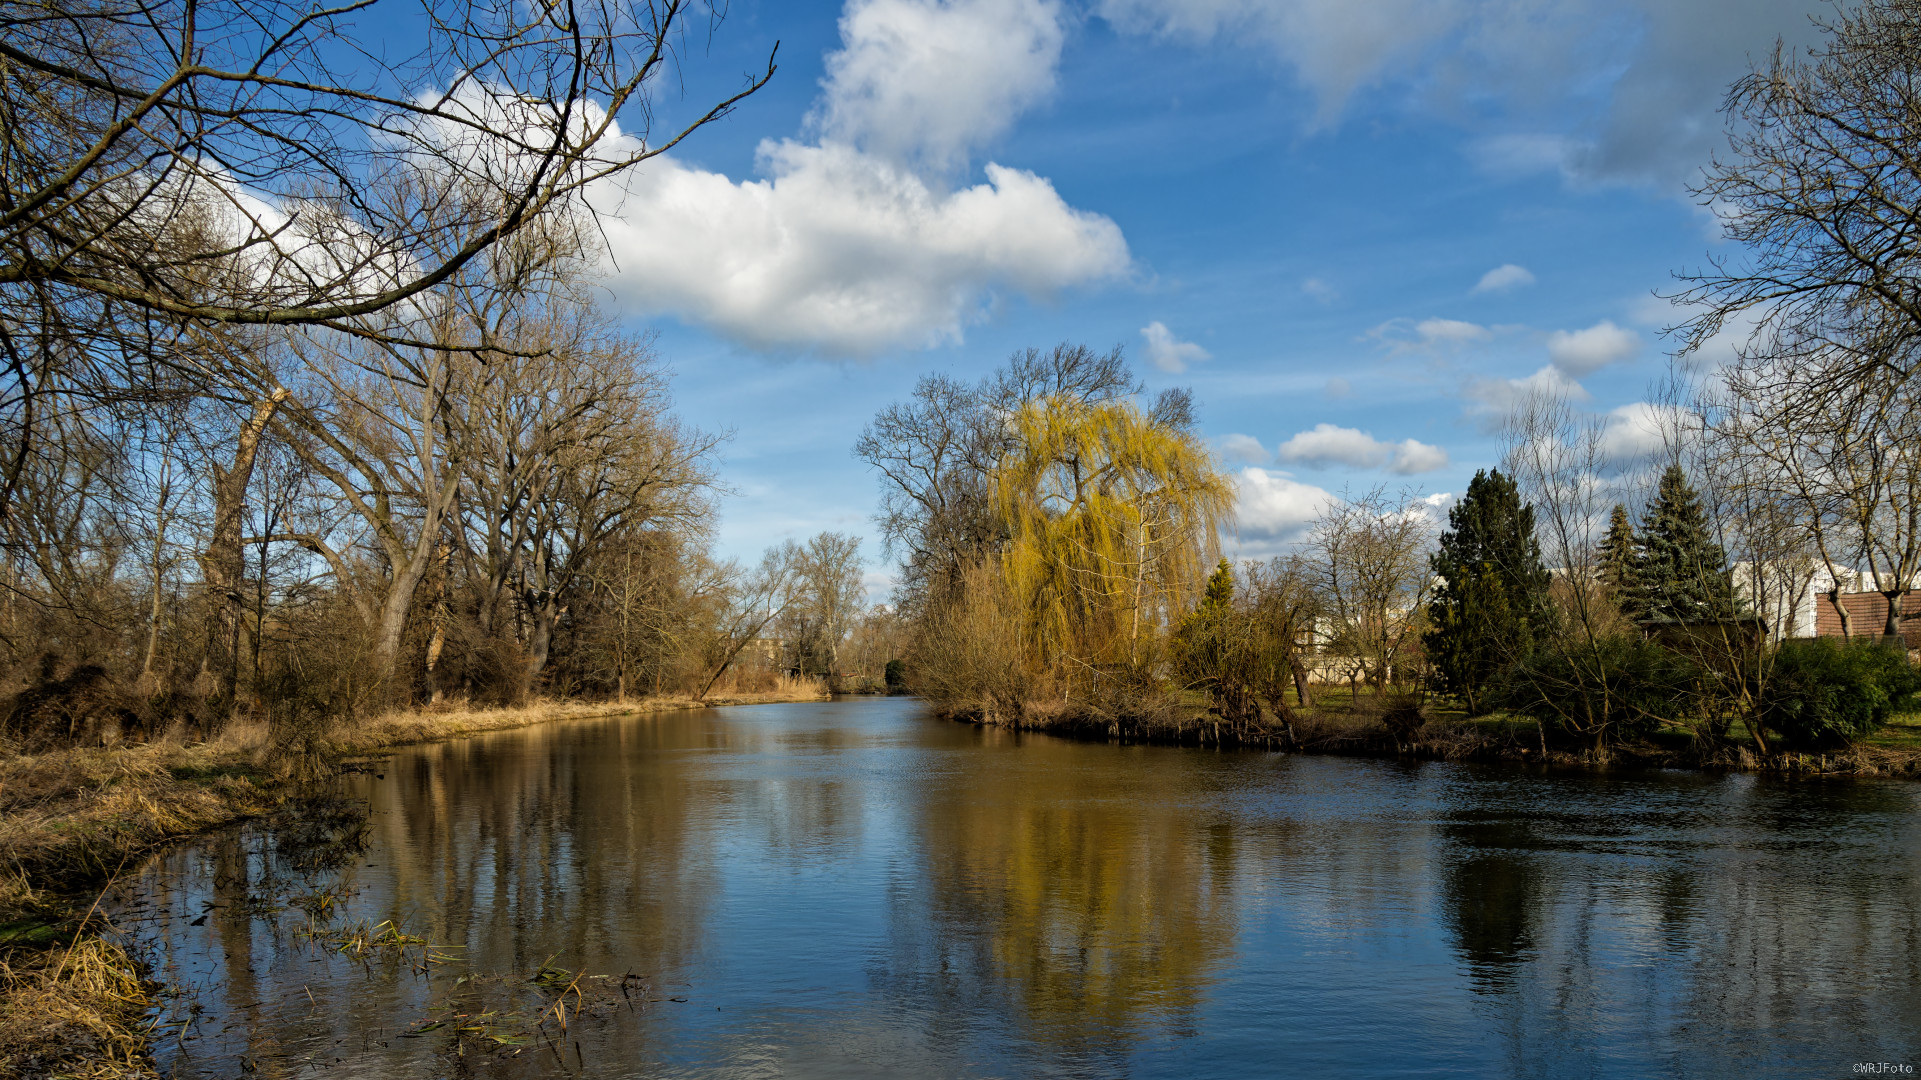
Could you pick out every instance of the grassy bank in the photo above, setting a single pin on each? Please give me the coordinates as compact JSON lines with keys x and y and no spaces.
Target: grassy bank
{"x":1343,"y":724}
{"x":71,"y":821}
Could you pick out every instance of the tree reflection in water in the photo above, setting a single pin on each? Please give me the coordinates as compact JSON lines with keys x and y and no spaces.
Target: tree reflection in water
{"x":854,"y":889}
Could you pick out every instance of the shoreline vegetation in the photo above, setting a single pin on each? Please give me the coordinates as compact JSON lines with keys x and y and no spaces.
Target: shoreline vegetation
{"x":1055,"y":578}
{"x":73,"y":820}
{"x":1340,"y":726}
{"x":74,"y":1003}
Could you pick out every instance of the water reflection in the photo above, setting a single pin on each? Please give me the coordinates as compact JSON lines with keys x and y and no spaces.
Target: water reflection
{"x":852,"y":889}
{"x":1087,"y":901}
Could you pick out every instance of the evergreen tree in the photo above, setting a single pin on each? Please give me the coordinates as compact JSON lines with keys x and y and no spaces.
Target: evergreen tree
{"x":1618,"y":570}
{"x":1493,"y":598}
{"x":1681,"y":574}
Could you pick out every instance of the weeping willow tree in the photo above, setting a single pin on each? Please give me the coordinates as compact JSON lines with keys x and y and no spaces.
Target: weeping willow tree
{"x":1112,"y":517}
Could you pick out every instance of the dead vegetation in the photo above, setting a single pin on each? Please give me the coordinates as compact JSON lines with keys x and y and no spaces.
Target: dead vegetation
{"x":71,"y":819}
{"x":79,"y":1011}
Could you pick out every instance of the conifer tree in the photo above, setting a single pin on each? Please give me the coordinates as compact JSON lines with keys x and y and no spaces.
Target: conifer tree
{"x":1681,"y":574}
{"x":1617,"y":558}
{"x":1493,"y":600}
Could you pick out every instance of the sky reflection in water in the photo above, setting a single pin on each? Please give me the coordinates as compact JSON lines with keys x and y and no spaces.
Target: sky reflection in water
{"x":853,"y":889}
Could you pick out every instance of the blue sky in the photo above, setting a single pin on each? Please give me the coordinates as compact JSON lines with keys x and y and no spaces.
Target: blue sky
{"x":1356,"y":229}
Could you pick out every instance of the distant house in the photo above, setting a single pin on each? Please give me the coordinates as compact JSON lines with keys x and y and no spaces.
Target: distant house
{"x":1789,"y":597}
{"x":1868,"y":616}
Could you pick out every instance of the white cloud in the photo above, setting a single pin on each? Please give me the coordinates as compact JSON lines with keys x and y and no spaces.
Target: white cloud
{"x":1243,"y":448}
{"x":1335,"y":46}
{"x":1167,"y":352}
{"x":1328,"y":444}
{"x":1404,"y":335}
{"x":927,"y":82}
{"x":1583,"y":352}
{"x":1450,"y":331}
{"x":1320,"y":291}
{"x":1634,"y":433}
{"x":1656,"y":69}
{"x":1411,"y":457}
{"x":1273,"y":506}
{"x":854,"y":243}
{"x":841,"y":251}
{"x":1502,"y":395}
{"x":1503,"y":278}
{"x":1744,"y":334}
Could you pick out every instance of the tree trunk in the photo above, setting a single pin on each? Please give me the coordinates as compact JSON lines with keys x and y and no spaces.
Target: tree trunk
{"x":1893,"y":627}
{"x":1840,"y":609}
{"x":540,"y":641}
{"x":394,"y":609}
{"x":221,"y":565}
{"x":1300,"y":683}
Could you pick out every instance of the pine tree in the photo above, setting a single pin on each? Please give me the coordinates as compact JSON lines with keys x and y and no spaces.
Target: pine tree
{"x":1681,"y":574}
{"x":1617,"y":556}
{"x":1493,"y":598}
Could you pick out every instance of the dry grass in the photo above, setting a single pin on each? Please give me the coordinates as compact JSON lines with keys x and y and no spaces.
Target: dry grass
{"x":77,"y":1012}
{"x":72,"y":819}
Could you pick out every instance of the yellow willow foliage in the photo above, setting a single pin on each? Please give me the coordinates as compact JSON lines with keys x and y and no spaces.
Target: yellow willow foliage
{"x":1114,"y":522}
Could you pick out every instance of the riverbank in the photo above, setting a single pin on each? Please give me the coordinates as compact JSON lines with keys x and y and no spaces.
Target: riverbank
{"x":73,"y":820}
{"x":1364,"y":729}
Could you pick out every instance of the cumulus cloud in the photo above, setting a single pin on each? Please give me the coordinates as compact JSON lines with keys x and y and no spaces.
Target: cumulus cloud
{"x":1167,"y":352}
{"x":1273,"y":506}
{"x":1503,"y":395}
{"x":1637,"y":432}
{"x":1658,"y":67}
{"x":1411,"y":457}
{"x":930,"y":81}
{"x":1583,"y":352}
{"x":1243,"y":448}
{"x":1434,"y":505}
{"x":1404,"y":335}
{"x":1504,"y":278}
{"x":1328,"y":444}
{"x":854,"y":242}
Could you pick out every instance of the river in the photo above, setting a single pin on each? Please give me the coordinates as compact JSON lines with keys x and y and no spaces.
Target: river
{"x":855,"y":889}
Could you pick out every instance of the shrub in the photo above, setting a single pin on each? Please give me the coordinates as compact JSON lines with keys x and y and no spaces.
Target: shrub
{"x":896,"y":677}
{"x":1823,"y":694}
{"x":1404,"y":717}
{"x":85,"y":705}
{"x":1608,"y":689}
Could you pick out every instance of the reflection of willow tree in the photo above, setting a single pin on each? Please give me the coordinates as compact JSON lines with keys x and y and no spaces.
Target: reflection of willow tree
{"x":1083,"y":894}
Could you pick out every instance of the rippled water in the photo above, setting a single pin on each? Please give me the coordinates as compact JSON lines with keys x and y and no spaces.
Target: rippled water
{"x":855,"y":889}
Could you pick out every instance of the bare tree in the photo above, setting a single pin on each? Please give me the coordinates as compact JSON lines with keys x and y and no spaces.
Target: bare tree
{"x":279,"y":163}
{"x":827,"y":577}
{"x":1840,"y":472}
{"x":1370,"y":554}
{"x":750,"y":603}
{"x":1823,"y":192}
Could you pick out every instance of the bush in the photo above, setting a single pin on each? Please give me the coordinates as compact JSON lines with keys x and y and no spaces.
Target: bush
{"x":1823,"y":694}
{"x":1404,"y":717}
{"x":1611,"y":689}
{"x":84,"y":706}
{"x":896,"y":677}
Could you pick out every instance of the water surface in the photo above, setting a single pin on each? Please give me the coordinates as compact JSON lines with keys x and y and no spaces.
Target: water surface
{"x":855,"y":889}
